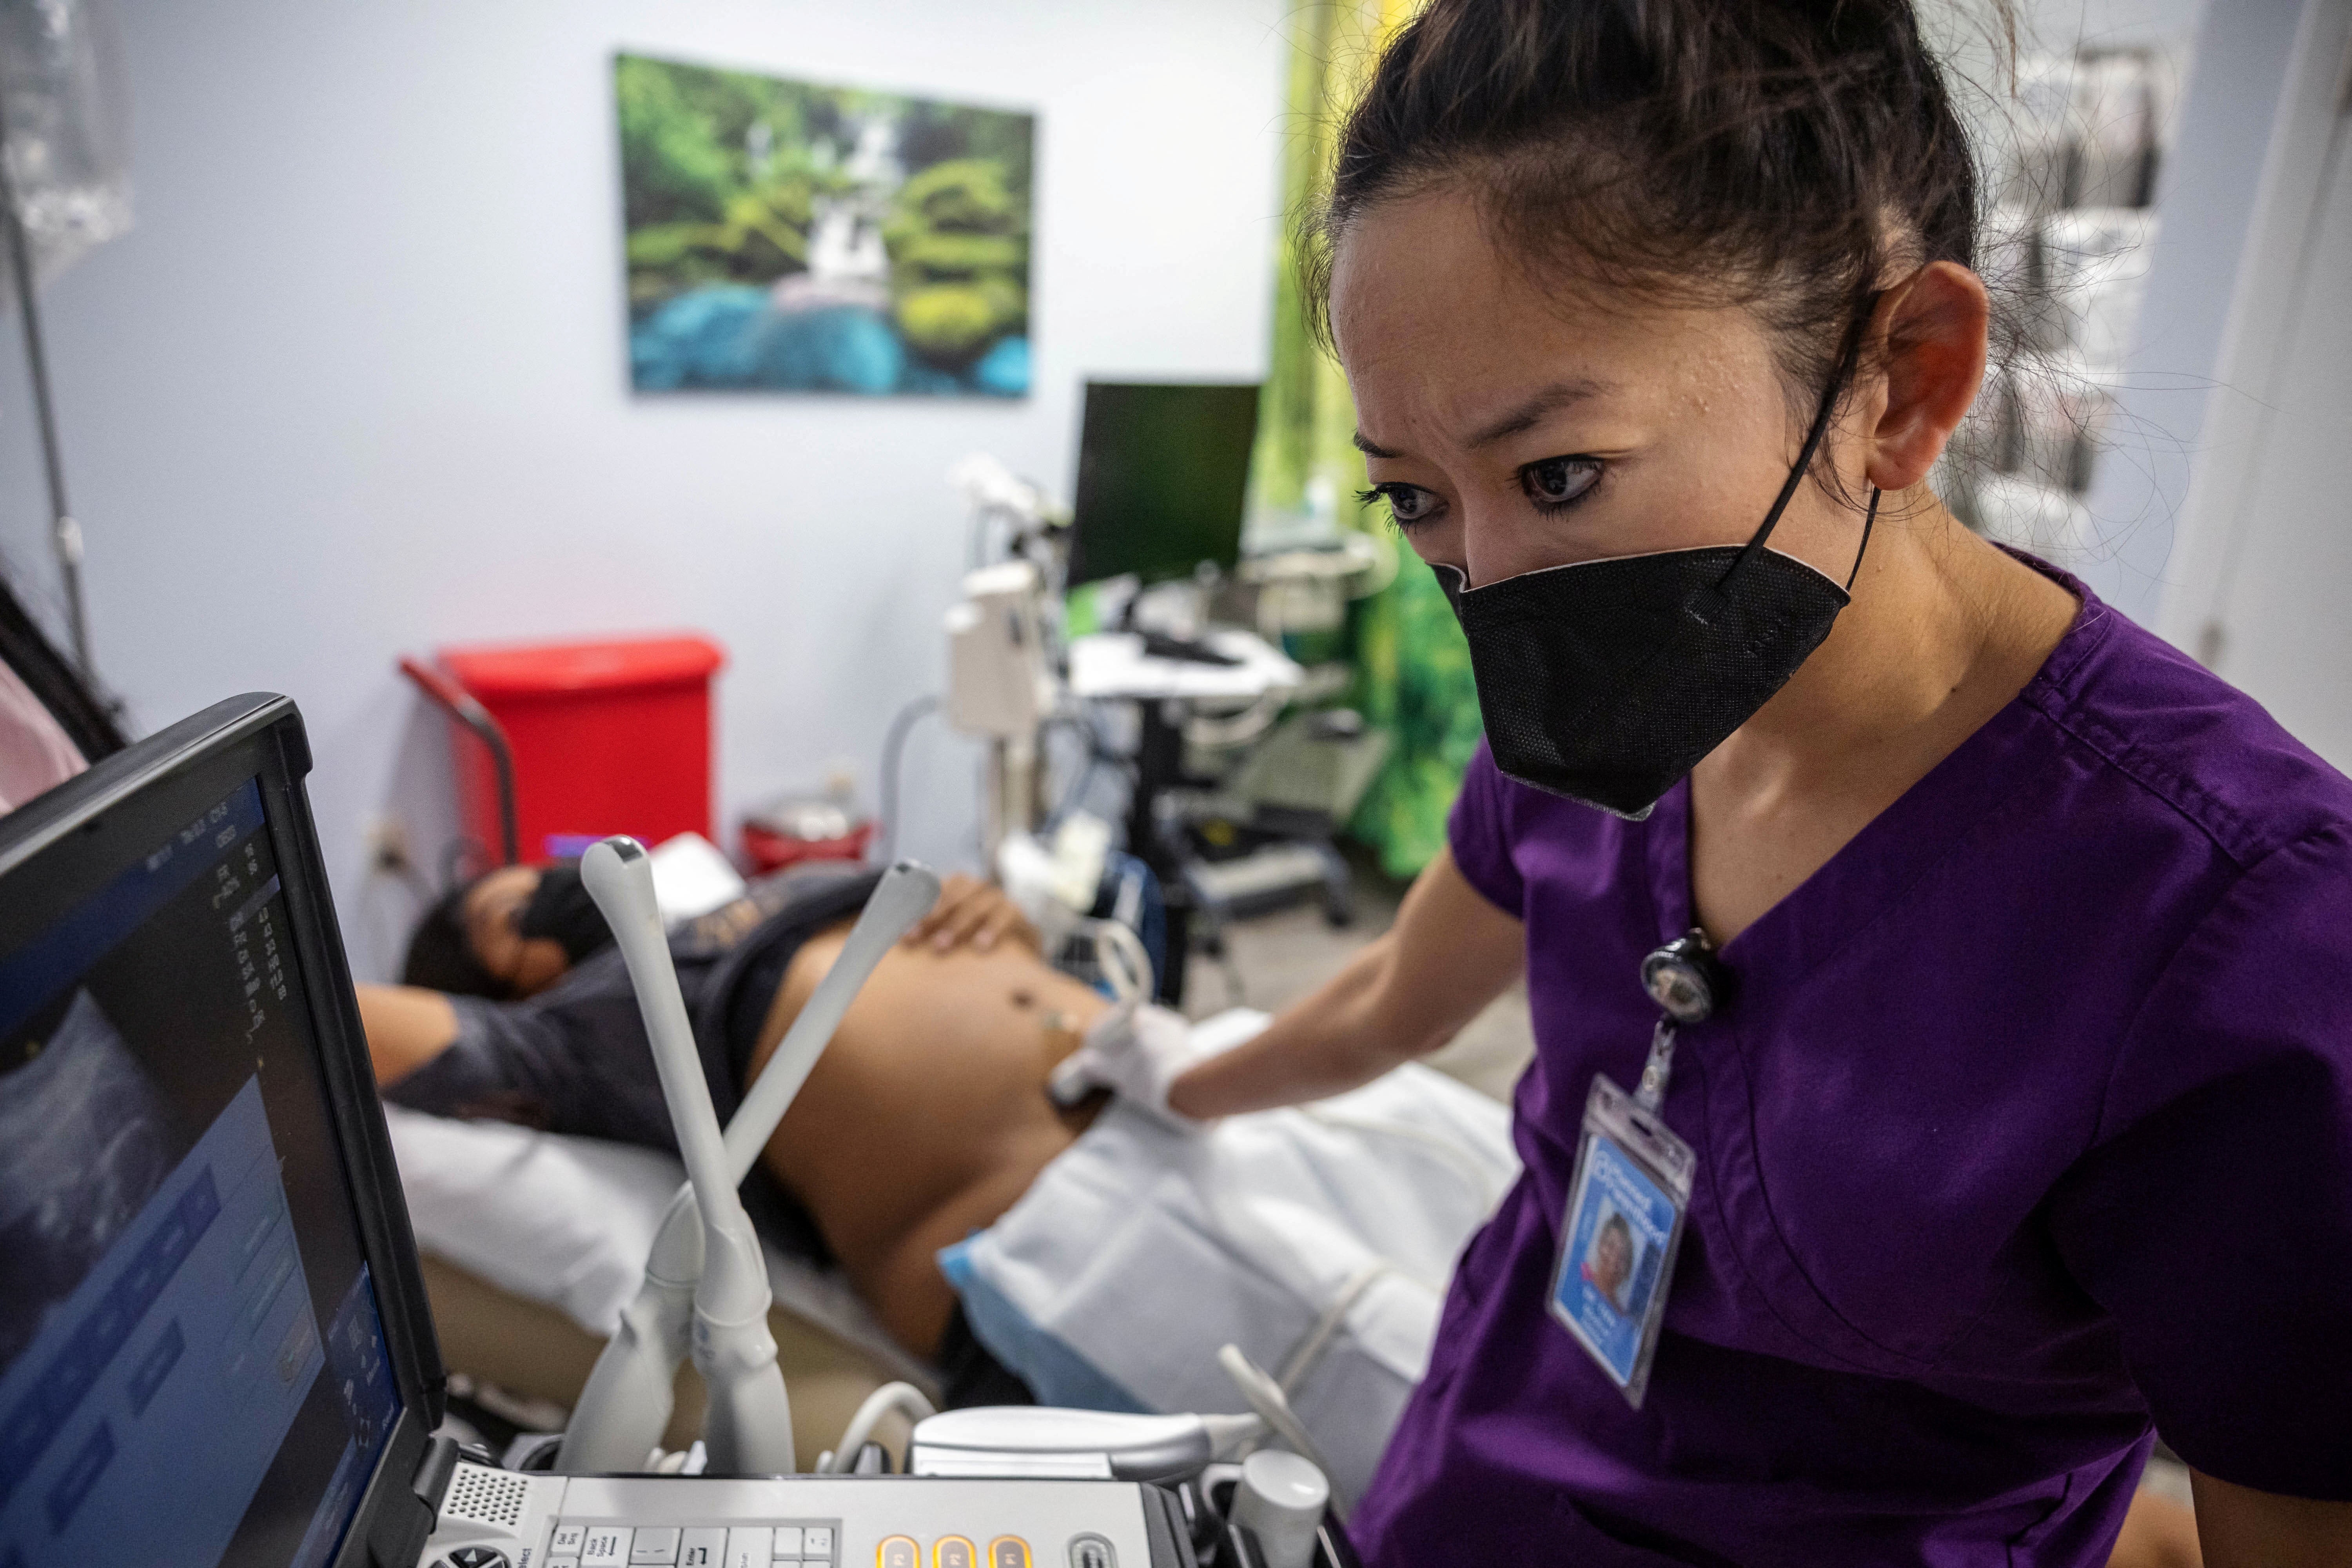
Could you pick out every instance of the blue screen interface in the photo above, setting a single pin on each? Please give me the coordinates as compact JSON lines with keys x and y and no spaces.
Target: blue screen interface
{"x":192,"y":1369}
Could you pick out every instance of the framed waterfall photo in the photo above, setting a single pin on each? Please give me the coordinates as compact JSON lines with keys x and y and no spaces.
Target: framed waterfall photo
{"x":784,"y":236}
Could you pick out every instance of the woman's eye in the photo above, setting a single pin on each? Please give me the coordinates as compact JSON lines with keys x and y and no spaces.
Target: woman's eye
{"x":1560,"y":481}
{"x":1408,"y":504}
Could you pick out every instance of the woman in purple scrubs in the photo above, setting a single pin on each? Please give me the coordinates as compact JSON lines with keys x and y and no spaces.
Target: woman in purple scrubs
{"x":2017,"y":1095}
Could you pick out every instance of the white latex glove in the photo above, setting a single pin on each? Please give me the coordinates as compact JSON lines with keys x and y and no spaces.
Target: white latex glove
{"x":1135,"y":1054}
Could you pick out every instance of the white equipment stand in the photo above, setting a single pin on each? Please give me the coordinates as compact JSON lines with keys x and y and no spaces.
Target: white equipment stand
{"x":1001,"y":689}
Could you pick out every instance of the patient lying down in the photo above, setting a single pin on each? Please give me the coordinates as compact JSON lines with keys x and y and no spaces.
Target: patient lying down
{"x":925,"y":1119}
{"x":1094,"y":1256}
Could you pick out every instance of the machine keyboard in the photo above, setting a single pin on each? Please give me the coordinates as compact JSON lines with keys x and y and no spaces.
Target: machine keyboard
{"x":800,"y":1544}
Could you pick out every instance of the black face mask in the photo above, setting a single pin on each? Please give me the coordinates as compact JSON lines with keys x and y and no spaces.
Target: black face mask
{"x":560,"y":908}
{"x":1606,"y":682}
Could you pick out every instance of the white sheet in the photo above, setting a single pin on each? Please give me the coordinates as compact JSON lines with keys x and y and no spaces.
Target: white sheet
{"x":1320,"y":1239}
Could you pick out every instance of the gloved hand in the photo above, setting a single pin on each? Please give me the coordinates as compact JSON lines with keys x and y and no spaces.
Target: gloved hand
{"x":1135,"y":1054}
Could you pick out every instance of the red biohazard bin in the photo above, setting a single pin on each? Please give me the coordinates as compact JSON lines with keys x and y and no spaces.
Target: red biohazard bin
{"x":608,"y":737}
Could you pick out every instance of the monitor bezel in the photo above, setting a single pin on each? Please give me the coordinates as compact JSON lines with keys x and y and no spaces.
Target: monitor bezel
{"x":149,"y":788}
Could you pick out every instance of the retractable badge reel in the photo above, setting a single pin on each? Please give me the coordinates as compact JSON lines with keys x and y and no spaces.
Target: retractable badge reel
{"x":1633,"y":1186}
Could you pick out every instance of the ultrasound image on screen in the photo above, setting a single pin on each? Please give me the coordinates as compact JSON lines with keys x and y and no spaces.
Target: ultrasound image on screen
{"x":83,"y":1144}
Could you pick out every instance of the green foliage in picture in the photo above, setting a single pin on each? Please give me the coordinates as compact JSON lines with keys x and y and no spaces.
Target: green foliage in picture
{"x":959,"y":257}
{"x":784,"y":235}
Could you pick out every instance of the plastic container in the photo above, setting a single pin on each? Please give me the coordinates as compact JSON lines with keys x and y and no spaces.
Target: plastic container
{"x":805,"y":827}
{"x":608,"y":737}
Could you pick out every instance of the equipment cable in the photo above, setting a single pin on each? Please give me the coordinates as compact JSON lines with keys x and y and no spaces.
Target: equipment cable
{"x":1098,"y":756}
{"x":894,"y":742}
{"x":903,"y":1398}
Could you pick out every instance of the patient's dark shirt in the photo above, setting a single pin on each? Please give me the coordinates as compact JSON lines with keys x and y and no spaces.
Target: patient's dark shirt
{"x":575,"y":1057}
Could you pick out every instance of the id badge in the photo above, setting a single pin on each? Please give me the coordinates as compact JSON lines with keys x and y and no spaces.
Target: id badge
{"x":1622,"y":1228}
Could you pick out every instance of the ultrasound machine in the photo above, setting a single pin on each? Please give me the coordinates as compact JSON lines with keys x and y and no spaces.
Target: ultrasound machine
{"x":214,"y":1343}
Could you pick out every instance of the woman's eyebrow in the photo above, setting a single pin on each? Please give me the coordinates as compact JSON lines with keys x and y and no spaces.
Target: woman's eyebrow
{"x":1550,"y":400}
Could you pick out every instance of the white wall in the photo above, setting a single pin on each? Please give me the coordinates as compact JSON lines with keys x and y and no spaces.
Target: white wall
{"x":2231,"y":52}
{"x":2210,"y":244}
{"x":356,"y":384}
{"x":2067,"y":25}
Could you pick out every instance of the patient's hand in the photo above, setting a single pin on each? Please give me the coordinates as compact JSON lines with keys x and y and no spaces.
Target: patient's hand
{"x":970,"y":911}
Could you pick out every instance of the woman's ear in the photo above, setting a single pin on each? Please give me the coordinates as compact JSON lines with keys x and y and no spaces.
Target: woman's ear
{"x":1931,"y":329}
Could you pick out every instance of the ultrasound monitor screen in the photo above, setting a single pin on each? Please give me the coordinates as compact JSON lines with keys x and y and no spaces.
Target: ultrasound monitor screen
{"x":193,"y":1368}
{"x":1163,"y":472}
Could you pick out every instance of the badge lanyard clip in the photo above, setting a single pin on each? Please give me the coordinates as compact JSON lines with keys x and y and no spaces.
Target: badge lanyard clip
{"x":1688,"y":983}
{"x":1659,"y":1070}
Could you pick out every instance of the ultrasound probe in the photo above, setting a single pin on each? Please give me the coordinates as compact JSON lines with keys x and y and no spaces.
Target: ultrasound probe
{"x":706,"y":1285}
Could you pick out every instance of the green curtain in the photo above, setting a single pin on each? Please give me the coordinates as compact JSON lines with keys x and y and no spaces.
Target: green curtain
{"x":1413,"y":669}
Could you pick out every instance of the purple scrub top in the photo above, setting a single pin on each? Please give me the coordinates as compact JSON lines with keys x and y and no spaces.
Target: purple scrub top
{"x":2027,"y":1133}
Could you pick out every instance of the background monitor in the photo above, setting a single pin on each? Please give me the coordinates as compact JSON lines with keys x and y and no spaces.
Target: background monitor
{"x":1162,"y":473}
{"x":196,"y":1364}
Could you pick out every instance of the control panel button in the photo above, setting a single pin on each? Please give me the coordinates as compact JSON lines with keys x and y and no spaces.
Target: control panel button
{"x":816,"y":1540}
{"x":954,"y":1552}
{"x":746,"y":1546}
{"x":899,"y":1552}
{"x":566,"y":1540}
{"x":478,"y":1557}
{"x":788,"y":1540}
{"x":1008,"y":1552}
{"x":606,"y":1546}
{"x":656,"y":1547}
{"x":1092,"y":1551}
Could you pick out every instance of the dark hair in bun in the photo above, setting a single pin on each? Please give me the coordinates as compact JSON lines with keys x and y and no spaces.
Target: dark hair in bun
{"x":1784,"y":155}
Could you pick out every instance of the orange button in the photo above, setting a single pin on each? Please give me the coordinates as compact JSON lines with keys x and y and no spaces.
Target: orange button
{"x":954,"y":1552}
{"x":899,"y":1552}
{"x":1008,"y":1552}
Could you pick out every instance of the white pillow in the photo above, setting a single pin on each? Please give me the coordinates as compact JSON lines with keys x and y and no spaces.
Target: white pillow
{"x":569,"y":1221}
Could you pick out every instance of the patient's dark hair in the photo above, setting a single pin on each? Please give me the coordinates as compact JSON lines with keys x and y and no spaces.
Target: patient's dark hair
{"x":1782,"y":155}
{"x":441,"y":955}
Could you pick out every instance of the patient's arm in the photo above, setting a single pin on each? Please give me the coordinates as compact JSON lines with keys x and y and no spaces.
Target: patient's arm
{"x":1450,"y":953}
{"x":406,"y":1027}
